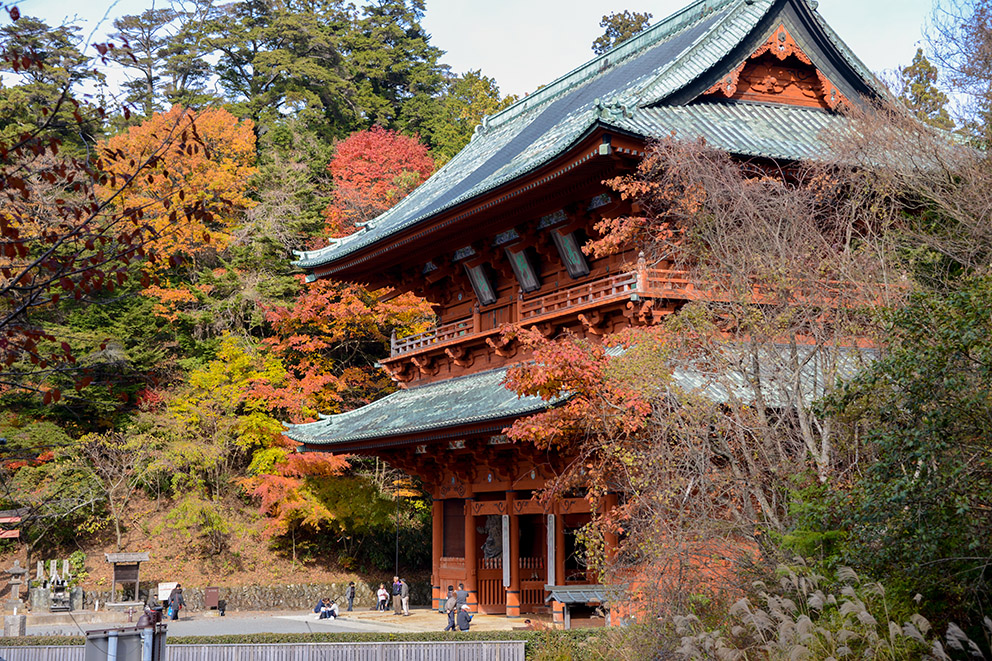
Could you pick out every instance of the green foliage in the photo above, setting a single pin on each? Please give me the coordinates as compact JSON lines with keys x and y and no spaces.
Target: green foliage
{"x":77,"y":565}
{"x":916,"y":515}
{"x":620,"y":26}
{"x":147,"y":39}
{"x":186,"y":54}
{"x":466,"y":100}
{"x":34,"y":438}
{"x":396,"y":70}
{"x":51,"y":82}
{"x":920,"y":92}
{"x":814,"y":502}
{"x":212,"y":429}
{"x":277,"y":58}
{"x":378,"y":549}
{"x":63,"y":496}
{"x":200,"y":521}
{"x":361,"y":508}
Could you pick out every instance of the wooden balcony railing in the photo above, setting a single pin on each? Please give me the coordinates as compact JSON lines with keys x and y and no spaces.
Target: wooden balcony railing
{"x":614,"y":286}
{"x":642,"y":282}
{"x":441,"y":333}
{"x":525,"y":563}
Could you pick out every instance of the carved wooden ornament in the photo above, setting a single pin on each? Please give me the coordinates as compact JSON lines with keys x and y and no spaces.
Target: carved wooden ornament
{"x":780,"y":72}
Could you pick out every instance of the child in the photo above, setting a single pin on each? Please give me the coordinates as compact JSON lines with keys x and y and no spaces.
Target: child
{"x":383,"y":597}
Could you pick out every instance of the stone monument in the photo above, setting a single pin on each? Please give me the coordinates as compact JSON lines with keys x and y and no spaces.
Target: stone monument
{"x":16,"y":575}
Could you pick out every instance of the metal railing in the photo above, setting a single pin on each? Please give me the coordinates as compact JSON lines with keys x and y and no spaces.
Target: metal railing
{"x":510,"y":650}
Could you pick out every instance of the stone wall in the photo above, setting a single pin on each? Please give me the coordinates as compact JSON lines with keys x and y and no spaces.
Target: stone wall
{"x":277,"y":597}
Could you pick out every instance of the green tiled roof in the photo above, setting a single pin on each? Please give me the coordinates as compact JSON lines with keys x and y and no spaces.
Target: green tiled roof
{"x":748,"y":129}
{"x":466,"y":400}
{"x":630,"y":82}
{"x":428,"y":410}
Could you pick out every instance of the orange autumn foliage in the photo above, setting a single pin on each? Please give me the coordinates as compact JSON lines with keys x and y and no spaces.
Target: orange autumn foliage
{"x":331,"y":336}
{"x":214,"y":173}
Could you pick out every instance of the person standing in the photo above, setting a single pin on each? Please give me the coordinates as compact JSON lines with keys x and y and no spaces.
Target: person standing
{"x":382,"y":597}
{"x":464,"y":618}
{"x":350,"y":593}
{"x":450,"y":606}
{"x":176,"y":601}
{"x":405,"y":596}
{"x":397,"y":600}
{"x":461,"y":596}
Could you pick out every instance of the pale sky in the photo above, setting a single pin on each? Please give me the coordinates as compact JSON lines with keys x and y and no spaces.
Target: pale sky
{"x":526,"y":43}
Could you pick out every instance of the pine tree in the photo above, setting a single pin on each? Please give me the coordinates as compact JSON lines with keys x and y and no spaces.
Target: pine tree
{"x":44,"y":91}
{"x":186,"y":63}
{"x":147,"y":37}
{"x":395,"y":67}
{"x":466,"y":100}
{"x":920,"y":92}
{"x":620,"y":26}
{"x":286,"y":59}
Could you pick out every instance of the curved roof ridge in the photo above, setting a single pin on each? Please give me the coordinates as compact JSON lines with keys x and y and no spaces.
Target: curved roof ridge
{"x":715,"y":40}
{"x":849,"y":56}
{"x":660,"y":31}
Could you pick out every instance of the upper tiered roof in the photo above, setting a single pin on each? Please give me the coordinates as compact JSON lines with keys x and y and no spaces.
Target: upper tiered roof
{"x":653,"y":85}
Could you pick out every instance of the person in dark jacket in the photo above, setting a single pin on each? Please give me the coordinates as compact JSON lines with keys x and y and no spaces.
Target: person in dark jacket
{"x":450,"y":607}
{"x":176,"y":601}
{"x":350,"y":593}
{"x":397,"y":602}
{"x":464,"y":618}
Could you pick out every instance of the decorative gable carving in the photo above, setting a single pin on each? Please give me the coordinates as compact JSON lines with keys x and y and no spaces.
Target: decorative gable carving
{"x":779,"y":72}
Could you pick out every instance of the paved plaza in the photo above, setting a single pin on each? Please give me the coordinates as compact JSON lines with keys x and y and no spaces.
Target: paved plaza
{"x":200,"y":624}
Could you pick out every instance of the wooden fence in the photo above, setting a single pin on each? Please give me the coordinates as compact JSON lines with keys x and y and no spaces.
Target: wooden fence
{"x":511,"y":650}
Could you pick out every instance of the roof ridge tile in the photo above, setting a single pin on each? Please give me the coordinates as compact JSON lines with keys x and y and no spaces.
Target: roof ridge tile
{"x":623,"y":51}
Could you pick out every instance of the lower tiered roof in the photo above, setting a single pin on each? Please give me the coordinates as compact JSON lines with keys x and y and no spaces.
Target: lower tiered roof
{"x":480,"y":403}
{"x":426,"y":411}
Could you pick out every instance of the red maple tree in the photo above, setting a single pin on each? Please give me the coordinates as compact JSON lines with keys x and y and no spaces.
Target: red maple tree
{"x":372,"y":171}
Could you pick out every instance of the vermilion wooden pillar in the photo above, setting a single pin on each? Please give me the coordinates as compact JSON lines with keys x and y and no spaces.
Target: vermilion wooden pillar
{"x":558,"y":608}
{"x":513,"y":590}
{"x":471,"y":569}
{"x":437,"y":519}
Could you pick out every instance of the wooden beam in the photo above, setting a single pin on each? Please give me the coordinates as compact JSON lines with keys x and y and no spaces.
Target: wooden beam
{"x":460,"y":355}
